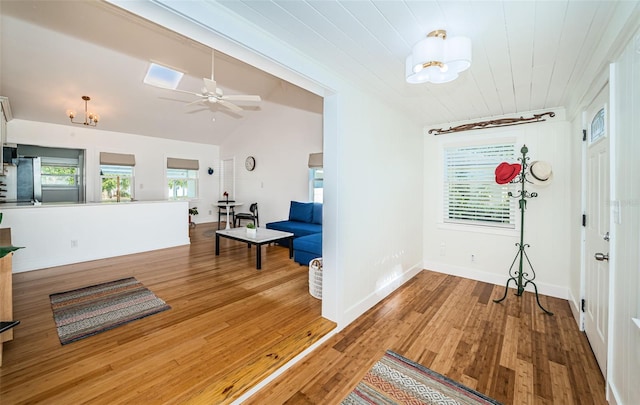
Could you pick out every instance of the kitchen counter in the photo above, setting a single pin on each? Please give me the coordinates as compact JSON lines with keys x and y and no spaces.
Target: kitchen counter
{"x":22,"y":204}
{"x":55,"y":234}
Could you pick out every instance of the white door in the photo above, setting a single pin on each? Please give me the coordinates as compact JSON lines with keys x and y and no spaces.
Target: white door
{"x":228,"y":178}
{"x":597,"y":228}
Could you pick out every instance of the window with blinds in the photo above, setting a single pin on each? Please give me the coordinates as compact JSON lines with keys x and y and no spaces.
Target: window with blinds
{"x":471,"y":194}
{"x":182,"y":178}
{"x":116,"y":176}
{"x":117,"y":183}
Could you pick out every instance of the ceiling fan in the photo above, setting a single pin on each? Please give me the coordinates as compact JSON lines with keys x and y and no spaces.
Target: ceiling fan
{"x":213,"y":94}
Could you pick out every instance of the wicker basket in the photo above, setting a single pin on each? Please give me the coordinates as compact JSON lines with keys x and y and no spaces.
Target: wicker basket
{"x":315,"y":278}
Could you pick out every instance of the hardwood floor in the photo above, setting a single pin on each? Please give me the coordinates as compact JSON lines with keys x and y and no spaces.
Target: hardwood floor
{"x":510,"y":351}
{"x":230,"y":326}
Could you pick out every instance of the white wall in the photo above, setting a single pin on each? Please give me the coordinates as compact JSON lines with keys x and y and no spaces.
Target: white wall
{"x":150,"y":153}
{"x":624,"y":293}
{"x":547,"y":218}
{"x":280,"y":138}
{"x":379,"y":200}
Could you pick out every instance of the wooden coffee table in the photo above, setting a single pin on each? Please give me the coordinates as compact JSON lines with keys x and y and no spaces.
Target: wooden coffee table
{"x":262,"y":236}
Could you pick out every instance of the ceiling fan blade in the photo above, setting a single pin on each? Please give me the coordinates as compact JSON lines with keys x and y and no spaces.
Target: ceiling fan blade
{"x":193,"y":102}
{"x":210,"y":85}
{"x":230,"y":106}
{"x":242,"y":97}
{"x":186,"y":92}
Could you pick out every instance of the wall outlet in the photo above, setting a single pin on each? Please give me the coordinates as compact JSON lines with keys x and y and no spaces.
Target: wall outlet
{"x":473,"y":257}
{"x":74,"y":243}
{"x":443,"y":249}
{"x":209,"y":212}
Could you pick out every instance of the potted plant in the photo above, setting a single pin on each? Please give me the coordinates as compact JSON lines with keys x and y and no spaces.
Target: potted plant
{"x":251,"y":229}
{"x":192,"y":211}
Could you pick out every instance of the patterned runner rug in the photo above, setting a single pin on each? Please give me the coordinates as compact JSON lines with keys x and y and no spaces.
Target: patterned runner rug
{"x":397,"y":380}
{"x":90,"y":310}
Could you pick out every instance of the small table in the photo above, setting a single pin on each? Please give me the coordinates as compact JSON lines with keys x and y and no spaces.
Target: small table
{"x":227,"y":205}
{"x":261,"y":237}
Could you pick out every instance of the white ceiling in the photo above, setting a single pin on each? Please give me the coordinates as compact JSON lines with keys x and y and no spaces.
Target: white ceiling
{"x":527,"y":55}
{"x":55,"y":52}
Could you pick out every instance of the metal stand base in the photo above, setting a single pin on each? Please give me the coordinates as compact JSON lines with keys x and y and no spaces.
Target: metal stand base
{"x":519,"y":276}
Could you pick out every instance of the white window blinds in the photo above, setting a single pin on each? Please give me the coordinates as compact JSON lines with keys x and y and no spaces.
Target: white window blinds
{"x":471,"y":194}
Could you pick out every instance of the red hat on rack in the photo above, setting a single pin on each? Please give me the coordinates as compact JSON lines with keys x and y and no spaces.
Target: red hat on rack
{"x":505,"y":172}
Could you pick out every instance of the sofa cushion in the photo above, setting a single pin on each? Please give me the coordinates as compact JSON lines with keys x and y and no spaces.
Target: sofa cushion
{"x":295,"y":227}
{"x":317,"y":214}
{"x":307,"y":248}
{"x":301,"y":212}
{"x":310,"y":243}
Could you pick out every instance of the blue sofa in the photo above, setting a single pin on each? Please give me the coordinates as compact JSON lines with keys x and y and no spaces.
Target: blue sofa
{"x":305,"y":222}
{"x":307,"y":248}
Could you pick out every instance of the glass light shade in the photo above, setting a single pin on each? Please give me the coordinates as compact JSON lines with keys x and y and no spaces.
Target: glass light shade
{"x":427,"y":50}
{"x":443,"y":77}
{"x":411,"y":76}
{"x":458,"y":53}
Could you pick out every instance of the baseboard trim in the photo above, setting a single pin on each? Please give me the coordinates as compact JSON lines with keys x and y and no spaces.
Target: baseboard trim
{"x":390,"y":285}
{"x":612,"y":395}
{"x":492,"y":278}
{"x":576,"y":310}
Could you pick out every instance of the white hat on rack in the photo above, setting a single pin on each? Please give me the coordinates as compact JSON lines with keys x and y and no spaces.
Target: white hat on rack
{"x":540,"y":173}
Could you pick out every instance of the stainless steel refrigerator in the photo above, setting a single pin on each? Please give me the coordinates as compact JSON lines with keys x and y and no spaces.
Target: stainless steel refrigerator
{"x":29,"y":183}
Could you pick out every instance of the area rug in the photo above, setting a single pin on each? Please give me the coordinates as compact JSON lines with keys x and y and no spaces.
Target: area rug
{"x":397,"y":380}
{"x":90,"y":310}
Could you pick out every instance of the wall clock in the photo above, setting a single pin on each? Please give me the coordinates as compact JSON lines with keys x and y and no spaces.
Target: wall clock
{"x":250,"y":163}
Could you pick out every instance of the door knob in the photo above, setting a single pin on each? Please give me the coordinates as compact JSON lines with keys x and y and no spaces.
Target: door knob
{"x":602,"y":256}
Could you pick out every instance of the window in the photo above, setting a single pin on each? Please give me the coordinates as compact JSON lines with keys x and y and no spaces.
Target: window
{"x":116,"y":176}
{"x":316,"y":177}
{"x":471,"y":194}
{"x":117,"y":183}
{"x":183,"y":184}
{"x":182,"y":178}
{"x":316,"y":180}
{"x":59,"y":172}
{"x":597,"y":126}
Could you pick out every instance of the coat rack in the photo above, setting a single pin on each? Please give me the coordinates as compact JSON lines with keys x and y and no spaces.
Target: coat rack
{"x":521,"y":277}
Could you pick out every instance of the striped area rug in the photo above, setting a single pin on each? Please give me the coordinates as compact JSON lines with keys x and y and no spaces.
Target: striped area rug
{"x":397,"y":380}
{"x":90,"y":310}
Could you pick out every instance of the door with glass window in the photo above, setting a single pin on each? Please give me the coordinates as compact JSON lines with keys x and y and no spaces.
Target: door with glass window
{"x":597,"y":229}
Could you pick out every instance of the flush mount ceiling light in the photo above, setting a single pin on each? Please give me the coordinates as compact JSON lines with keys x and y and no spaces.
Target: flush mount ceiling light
{"x":89,"y":117}
{"x":437,"y":59}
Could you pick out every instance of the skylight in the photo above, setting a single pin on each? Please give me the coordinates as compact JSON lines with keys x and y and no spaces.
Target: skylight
{"x":162,"y":76}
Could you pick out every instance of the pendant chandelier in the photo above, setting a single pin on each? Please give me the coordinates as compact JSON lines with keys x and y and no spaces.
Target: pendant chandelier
{"x":436,"y":59}
{"x":90,"y":118}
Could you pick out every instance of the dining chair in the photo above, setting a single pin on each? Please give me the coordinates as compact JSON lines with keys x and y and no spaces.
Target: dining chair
{"x":249,"y":216}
